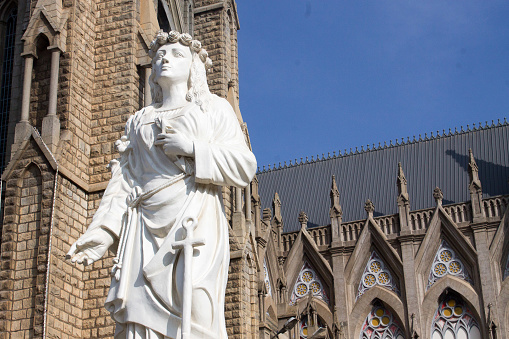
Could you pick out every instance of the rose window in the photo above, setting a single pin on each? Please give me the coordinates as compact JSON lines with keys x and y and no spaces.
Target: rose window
{"x":440,"y":269}
{"x":369,"y":280}
{"x":446,"y":262}
{"x":383,"y":278}
{"x":454,"y":320}
{"x":375,"y":267}
{"x":381,"y":324}
{"x":301,"y":290}
{"x":308,"y":281}
{"x":376,"y":273}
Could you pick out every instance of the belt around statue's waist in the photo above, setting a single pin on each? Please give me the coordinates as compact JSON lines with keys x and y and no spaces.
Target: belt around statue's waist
{"x":137,"y":195}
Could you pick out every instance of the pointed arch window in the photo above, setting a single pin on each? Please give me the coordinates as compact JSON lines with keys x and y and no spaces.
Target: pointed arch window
{"x":376,"y":273}
{"x":308,"y":282}
{"x":6,"y":82}
{"x":446,"y":262}
{"x":454,"y":320}
{"x":381,"y":324}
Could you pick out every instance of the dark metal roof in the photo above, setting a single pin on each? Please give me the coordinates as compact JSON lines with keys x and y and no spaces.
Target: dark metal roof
{"x":371,"y":174}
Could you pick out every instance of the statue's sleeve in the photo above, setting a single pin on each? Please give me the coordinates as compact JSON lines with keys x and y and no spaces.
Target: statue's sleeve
{"x":113,"y":204}
{"x":224,"y":159}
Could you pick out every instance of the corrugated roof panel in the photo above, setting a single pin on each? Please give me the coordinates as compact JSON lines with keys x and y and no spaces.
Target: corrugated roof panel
{"x":439,"y":161}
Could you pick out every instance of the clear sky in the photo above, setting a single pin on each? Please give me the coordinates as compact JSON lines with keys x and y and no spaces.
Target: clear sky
{"x":319,"y":76}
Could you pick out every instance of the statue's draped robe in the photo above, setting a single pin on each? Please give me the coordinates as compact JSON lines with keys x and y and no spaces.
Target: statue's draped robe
{"x":146,"y":200}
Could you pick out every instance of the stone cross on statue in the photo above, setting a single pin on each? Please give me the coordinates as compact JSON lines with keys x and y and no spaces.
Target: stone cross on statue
{"x":187,"y":245}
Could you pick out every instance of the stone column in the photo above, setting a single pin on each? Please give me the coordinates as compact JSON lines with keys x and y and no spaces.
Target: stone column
{"x":27,"y":85}
{"x":23,"y":128}
{"x":51,"y":123}
{"x":412,"y":300}
{"x":247,"y":196}
{"x":338,"y":265}
{"x":147,"y":100}
{"x":487,"y":277}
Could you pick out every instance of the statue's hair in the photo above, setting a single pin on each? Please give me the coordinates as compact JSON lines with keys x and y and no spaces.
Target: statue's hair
{"x":198,"y":89}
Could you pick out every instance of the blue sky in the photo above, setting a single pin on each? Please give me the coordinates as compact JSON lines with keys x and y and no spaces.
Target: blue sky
{"x":323,"y":76}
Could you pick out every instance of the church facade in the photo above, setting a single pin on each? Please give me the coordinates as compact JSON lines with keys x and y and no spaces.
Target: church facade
{"x":416,"y":250}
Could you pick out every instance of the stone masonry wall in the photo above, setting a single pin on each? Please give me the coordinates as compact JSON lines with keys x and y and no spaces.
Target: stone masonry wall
{"x":24,"y":246}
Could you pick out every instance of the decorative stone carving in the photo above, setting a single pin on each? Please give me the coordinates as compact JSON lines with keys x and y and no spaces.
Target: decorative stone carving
{"x":376,"y":273}
{"x":446,"y":262}
{"x":308,"y":282}
{"x":164,"y":199}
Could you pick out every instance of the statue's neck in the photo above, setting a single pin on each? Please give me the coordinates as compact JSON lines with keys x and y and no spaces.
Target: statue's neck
{"x":174,"y":96}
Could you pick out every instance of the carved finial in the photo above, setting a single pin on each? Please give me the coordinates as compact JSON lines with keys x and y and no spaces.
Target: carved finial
{"x":335,"y":207}
{"x":303,"y":219}
{"x":438,"y":195}
{"x":402,"y":185}
{"x":276,"y":206}
{"x":473,"y":173}
{"x":369,"y":207}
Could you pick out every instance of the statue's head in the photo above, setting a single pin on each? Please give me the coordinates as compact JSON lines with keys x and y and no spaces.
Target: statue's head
{"x":190,"y":63}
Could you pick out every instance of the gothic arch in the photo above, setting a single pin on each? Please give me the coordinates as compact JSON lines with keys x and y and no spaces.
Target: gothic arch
{"x":354,"y":270}
{"x":432,"y":297}
{"x":442,"y":227}
{"x":364,"y":305}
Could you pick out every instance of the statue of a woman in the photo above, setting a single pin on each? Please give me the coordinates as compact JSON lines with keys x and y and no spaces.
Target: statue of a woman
{"x":174,"y":156}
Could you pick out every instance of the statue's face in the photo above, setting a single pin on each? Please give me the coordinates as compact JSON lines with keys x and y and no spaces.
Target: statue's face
{"x":172,"y":63}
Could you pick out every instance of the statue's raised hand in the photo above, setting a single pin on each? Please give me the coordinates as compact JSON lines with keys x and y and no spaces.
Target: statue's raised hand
{"x":175,"y":143}
{"x":91,"y":246}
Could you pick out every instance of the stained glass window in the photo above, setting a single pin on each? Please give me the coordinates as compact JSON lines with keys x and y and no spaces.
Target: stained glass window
{"x":446,"y":262}
{"x":454,"y":320}
{"x":381,"y":324}
{"x":376,"y":273}
{"x":308,"y":281}
{"x":5,"y":88}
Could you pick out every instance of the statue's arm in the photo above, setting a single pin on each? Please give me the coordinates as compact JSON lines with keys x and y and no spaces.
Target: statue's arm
{"x":225,"y":159}
{"x":113,"y":203}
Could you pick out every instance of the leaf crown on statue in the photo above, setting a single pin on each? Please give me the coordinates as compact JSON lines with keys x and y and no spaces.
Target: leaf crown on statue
{"x":198,"y":92}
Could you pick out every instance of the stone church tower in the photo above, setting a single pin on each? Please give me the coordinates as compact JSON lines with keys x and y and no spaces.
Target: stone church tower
{"x":73,"y":72}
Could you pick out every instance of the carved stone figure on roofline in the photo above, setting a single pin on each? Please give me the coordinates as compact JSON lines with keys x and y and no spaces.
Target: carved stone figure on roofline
{"x":163,"y":204}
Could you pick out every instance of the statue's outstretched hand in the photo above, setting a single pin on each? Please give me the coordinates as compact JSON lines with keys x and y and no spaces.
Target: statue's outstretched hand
{"x":91,"y":246}
{"x":175,"y":143}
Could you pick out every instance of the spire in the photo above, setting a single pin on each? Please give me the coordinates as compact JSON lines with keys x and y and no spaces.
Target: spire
{"x":475,"y":189}
{"x":403,"y":201}
{"x":402,"y":185}
{"x":438,"y":195}
{"x":335,"y":207}
{"x":473,"y":173}
{"x":276,"y":207}
{"x":369,"y":207}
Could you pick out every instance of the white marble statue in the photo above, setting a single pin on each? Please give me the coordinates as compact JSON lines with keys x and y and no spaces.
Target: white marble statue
{"x":163,"y":204}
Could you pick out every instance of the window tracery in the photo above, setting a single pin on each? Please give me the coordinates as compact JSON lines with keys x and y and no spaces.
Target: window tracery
{"x":381,"y":324}
{"x":454,"y":320}
{"x":308,"y":281}
{"x":446,"y":262}
{"x":376,"y":273}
